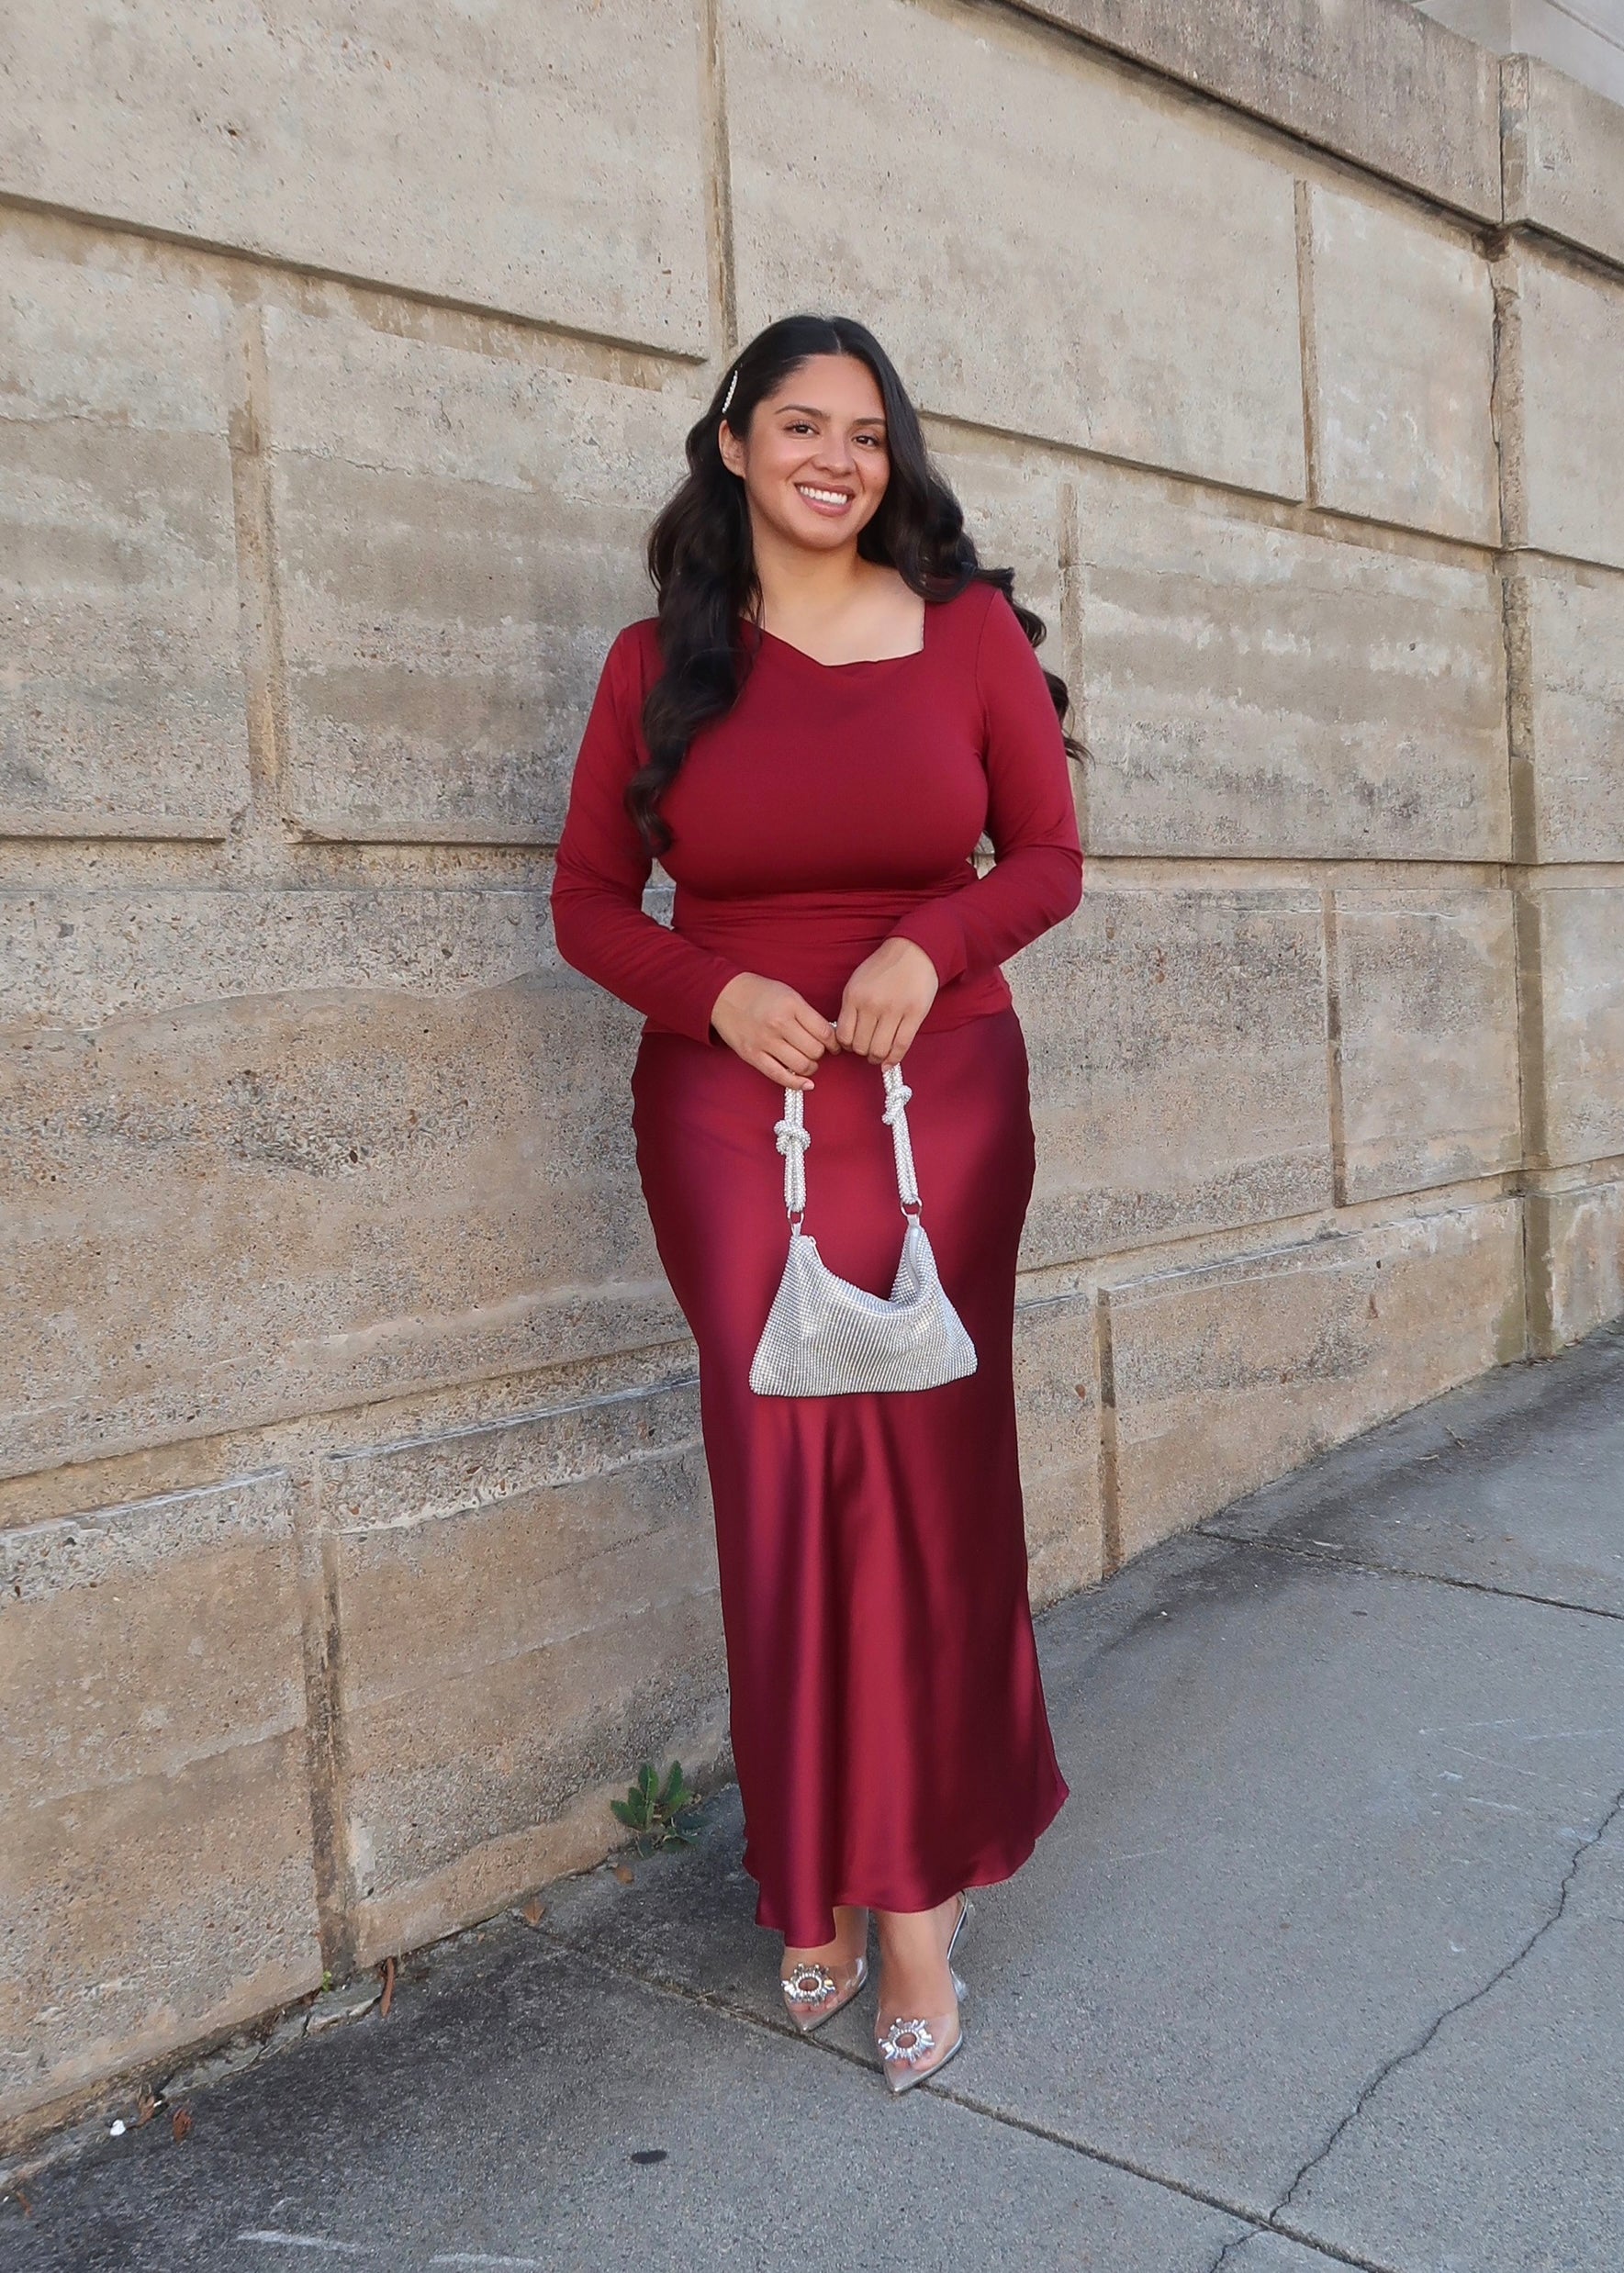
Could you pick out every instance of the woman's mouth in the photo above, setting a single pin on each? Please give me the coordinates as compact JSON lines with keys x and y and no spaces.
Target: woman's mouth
{"x":831,"y":501}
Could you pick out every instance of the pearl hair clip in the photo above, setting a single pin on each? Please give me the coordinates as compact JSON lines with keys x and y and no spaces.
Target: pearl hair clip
{"x":730,"y":385}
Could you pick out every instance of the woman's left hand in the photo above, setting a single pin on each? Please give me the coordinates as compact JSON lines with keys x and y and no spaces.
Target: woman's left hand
{"x":885,"y":1000}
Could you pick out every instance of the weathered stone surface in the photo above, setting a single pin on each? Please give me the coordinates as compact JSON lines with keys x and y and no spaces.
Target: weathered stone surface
{"x":1123,"y":273}
{"x":1251,"y":689}
{"x":557,"y":174}
{"x":1178,"y":1075}
{"x":1229,"y":1374}
{"x":529,"y":1609}
{"x":121,"y":692}
{"x":1015,"y":510}
{"x":1427,"y":991}
{"x":1569,"y":698}
{"x":1578,"y":1239}
{"x":155,"y":1874}
{"x":1403,"y":365}
{"x":1057,"y":1419}
{"x":1564,"y":156}
{"x":1579,"y":974}
{"x":1571,"y":332}
{"x":460,"y":539}
{"x":1378,"y":82}
{"x":375,"y":1137}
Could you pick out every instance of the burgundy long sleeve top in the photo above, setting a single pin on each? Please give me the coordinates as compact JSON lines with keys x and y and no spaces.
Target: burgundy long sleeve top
{"x":835,"y":806}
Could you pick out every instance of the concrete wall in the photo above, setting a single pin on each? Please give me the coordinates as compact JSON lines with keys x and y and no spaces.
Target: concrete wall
{"x":352,"y":1512}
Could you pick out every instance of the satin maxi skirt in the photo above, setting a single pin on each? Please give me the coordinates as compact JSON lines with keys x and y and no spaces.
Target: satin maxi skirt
{"x":887,"y":1713}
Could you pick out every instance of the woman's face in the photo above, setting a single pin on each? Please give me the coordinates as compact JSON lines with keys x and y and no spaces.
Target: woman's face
{"x":815,"y":462}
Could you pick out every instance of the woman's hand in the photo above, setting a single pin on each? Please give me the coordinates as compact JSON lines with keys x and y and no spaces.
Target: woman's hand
{"x":885,"y":1000}
{"x":772,"y":1028}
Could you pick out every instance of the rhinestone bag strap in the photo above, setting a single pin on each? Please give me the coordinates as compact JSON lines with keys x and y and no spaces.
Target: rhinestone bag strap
{"x":793,"y":1136}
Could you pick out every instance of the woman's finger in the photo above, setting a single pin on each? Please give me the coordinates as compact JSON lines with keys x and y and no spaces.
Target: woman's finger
{"x":778,"y":1069}
{"x":791,"y":1053}
{"x":811,"y":1030}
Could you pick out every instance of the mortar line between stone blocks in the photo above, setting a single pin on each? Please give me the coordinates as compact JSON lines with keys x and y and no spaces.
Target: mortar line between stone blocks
{"x":259,"y":592}
{"x":1514,"y":140}
{"x":1307,"y":343}
{"x":1109,"y":1455}
{"x":1526,"y":1009}
{"x":1336,"y":1102}
{"x":335,"y":1903}
{"x":1506,"y":400}
{"x":1264,"y":507}
{"x":1516,"y":649}
{"x":1073,"y":632}
{"x":250,"y":260}
{"x":719,"y":208}
{"x":1527,"y":963}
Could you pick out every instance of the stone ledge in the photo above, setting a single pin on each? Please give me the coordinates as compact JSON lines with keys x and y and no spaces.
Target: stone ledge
{"x":1563,"y":156}
{"x":1374,"y":80}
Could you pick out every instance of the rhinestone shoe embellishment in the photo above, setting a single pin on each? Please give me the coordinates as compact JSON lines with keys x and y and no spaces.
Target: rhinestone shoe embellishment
{"x":907,"y":2040}
{"x":808,"y":1984}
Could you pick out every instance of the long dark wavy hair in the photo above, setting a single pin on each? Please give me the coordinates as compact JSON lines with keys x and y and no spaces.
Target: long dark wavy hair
{"x":702,"y":563}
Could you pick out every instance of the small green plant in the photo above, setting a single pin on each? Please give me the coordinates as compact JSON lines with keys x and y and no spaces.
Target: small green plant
{"x":652,"y":1810}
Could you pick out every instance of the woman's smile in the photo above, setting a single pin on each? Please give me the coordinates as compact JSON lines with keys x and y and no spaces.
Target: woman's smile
{"x":834,"y":501}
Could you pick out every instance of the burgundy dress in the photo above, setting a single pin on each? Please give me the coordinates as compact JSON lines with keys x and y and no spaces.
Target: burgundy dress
{"x":888,"y":1718}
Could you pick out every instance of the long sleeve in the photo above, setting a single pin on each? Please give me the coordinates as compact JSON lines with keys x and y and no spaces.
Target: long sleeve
{"x":1036,"y":879}
{"x":598,"y":919}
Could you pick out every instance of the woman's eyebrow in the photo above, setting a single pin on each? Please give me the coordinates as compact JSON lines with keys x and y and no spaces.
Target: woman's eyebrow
{"x":816,"y":413}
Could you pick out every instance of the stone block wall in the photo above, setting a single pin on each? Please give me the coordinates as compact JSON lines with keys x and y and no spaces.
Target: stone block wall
{"x":353,"y":1523}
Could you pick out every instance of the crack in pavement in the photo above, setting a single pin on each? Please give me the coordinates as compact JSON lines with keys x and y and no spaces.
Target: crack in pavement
{"x":784,"y":2031}
{"x":1273,"y":2222}
{"x":1423,"y":1578}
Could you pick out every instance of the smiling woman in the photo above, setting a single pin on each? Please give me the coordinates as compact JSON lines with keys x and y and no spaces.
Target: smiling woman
{"x":832,"y":705}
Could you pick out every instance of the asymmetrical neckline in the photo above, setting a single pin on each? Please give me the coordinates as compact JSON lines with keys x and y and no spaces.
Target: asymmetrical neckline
{"x":859,"y":663}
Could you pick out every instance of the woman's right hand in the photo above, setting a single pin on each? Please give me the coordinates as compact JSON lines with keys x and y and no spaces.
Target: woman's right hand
{"x":772,"y":1028}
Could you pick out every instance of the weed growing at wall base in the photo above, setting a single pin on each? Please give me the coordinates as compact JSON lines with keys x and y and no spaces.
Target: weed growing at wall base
{"x":652,"y":1809}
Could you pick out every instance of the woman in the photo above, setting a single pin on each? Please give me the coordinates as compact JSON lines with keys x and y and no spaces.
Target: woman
{"x":832,"y":704}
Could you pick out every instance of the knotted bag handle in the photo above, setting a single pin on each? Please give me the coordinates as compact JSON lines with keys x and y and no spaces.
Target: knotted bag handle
{"x":794,"y":1137}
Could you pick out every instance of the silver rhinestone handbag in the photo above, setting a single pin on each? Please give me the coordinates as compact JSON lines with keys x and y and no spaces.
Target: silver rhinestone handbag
{"x":824,"y":1338}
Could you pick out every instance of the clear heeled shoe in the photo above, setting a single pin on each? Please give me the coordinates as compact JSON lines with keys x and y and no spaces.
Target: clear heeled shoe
{"x":907,"y":2047}
{"x":814,"y":1992}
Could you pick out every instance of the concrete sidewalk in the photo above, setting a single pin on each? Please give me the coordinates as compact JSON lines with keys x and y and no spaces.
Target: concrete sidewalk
{"x":1323,"y":1964}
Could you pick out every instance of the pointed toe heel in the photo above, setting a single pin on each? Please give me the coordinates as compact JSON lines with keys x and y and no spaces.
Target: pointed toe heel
{"x":909,"y":2049}
{"x":909,"y":2054}
{"x":814,"y":1993}
{"x":966,"y":1910}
